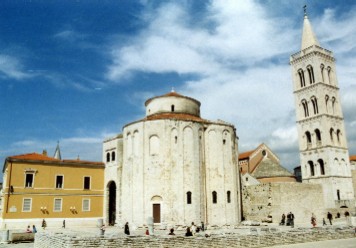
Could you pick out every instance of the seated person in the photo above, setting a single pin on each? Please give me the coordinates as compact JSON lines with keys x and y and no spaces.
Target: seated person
{"x":171,"y":232}
{"x":188,"y":233}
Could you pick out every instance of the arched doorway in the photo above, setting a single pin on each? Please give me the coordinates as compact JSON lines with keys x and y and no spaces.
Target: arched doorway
{"x":156,"y":209}
{"x":112,"y":203}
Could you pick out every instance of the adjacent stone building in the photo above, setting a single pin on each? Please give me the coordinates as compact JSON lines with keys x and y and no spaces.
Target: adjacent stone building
{"x":263,"y":165}
{"x":172,"y":166}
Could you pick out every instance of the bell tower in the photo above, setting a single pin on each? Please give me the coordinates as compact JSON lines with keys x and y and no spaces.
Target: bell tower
{"x":324,"y":155}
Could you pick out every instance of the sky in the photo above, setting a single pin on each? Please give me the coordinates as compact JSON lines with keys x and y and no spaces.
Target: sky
{"x":75,"y":72}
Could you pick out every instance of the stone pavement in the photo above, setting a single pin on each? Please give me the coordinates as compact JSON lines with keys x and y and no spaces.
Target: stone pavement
{"x":344,"y":243}
{"x":340,"y":243}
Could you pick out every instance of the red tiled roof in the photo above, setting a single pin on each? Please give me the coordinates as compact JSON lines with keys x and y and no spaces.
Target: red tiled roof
{"x":40,"y":157}
{"x":176,"y":116}
{"x":245,"y":155}
{"x":353,"y":158}
{"x":74,"y":161}
{"x":33,"y":156}
{"x":175,"y":94}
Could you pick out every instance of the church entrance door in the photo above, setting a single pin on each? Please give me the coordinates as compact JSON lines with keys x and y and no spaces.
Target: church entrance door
{"x":156,"y":213}
{"x":112,"y":203}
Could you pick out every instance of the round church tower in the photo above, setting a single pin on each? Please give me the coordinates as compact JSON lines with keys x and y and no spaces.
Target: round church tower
{"x":177,"y":167}
{"x":172,"y":103}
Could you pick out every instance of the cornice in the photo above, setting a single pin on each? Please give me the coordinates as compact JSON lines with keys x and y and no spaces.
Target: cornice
{"x":311,"y":87}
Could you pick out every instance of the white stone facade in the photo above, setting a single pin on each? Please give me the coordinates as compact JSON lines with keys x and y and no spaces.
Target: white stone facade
{"x":175,"y":167}
{"x":322,"y":139}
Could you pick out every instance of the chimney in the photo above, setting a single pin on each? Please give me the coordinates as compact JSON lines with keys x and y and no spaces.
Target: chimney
{"x":44,"y":152}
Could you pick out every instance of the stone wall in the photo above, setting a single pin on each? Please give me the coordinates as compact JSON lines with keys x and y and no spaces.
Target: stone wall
{"x":274,"y":199}
{"x":263,"y":237}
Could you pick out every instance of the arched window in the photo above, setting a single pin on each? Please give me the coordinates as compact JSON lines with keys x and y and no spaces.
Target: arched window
{"x":215,"y":197}
{"x":322,"y":72}
{"x":333,"y":100}
{"x":326,"y":103}
{"x":321,"y":164}
{"x":336,"y":162}
{"x":332,"y":135}
{"x":311,"y":167}
{"x":113,"y":156}
{"x":311,"y":74}
{"x":318,"y":137}
{"x":338,"y":134}
{"x":154,"y":145}
{"x":108,"y":157}
{"x":308,"y":137}
{"x":172,"y":108}
{"x":315,"y":105}
{"x":305,"y":107}
{"x":329,"y":74}
{"x":189,"y":197}
{"x":228,"y":196}
{"x":301,"y":77}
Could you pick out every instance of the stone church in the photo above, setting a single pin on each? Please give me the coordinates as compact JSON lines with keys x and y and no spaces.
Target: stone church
{"x":175,"y":167}
{"x":172,"y":166}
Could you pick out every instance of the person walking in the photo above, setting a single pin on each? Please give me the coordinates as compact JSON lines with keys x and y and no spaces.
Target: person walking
{"x":193,"y":229}
{"x":283,"y":221}
{"x":127,"y":229}
{"x":102,"y":230}
{"x":44,"y":224}
{"x":34,"y":230}
{"x":330,"y":217}
{"x":313,"y":220}
{"x":291,"y":219}
{"x":324,"y":222}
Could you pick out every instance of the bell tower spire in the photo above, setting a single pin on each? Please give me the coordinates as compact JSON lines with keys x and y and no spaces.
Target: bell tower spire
{"x":308,"y":37}
{"x":323,"y":150}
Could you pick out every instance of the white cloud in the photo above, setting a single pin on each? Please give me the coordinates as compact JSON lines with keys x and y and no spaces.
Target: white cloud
{"x":239,"y":53}
{"x":11,"y":67}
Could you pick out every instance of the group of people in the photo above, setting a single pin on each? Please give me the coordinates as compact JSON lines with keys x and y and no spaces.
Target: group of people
{"x":290,"y":219}
{"x":43,"y":225}
{"x":34,"y":230}
{"x":329,"y":216}
{"x":190,"y":231}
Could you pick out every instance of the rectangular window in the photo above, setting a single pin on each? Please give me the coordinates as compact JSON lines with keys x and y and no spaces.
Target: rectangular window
{"x":57,"y":205}
{"x":29,"y":180}
{"x":86,"y":204}
{"x":59,"y":182}
{"x":27,"y":205}
{"x":86,"y":182}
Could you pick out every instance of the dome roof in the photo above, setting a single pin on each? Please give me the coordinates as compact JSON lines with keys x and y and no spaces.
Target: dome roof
{"x":171,"y":94}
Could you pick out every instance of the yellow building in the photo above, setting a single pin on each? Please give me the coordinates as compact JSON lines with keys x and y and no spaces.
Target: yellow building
{"x":36,"y":187}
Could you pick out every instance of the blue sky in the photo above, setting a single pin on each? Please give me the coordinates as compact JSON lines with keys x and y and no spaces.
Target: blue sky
{"x":77,"y":71}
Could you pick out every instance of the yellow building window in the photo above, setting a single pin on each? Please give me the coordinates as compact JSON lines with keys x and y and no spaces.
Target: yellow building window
{"x":29,"y":180}
{"x":59,"y":182}
{"x":86,"y":182}
{"x":27,"y":205}
{"x":86,"y":205}
{"x":57,"y":205}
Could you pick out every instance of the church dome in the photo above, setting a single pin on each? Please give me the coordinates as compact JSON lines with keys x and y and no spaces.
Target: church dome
{"x":172,"y":102}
